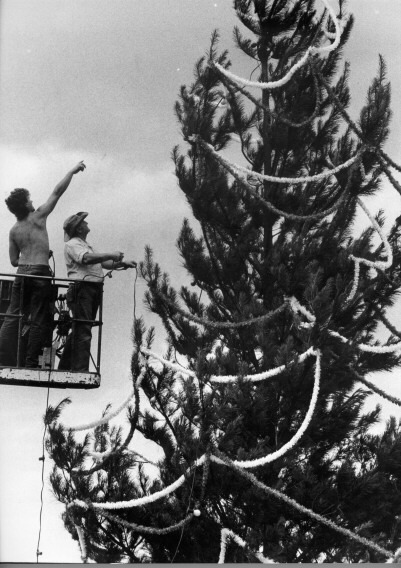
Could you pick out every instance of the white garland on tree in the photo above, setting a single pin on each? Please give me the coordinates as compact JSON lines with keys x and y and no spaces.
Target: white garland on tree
{"x":369,"y":348}
{"x":231,"y":168}
{"x":140,"y":501}
{"x":111,"y":415}
{"x":137,"y":502}
{"x":378,"y":264}
{"x":223,"y":379}
{"x":229,"y":534}
{"x":396,"y":559}
{"x":254,"y":481}
{"x":275,"y":179}
{"x":309,"y":52}
{"x":82,"y":544}
{"x":247,"y":464}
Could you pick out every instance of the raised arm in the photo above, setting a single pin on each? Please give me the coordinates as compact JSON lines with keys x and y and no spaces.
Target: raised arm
{"x":45,"y":209}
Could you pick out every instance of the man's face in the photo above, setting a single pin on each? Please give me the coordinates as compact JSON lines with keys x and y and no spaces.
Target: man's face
{"x":83,"y":229}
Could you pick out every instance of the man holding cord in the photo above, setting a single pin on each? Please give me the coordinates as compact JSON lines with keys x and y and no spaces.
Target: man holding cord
{"x":83,"y":298}
{"x":29,"y":251}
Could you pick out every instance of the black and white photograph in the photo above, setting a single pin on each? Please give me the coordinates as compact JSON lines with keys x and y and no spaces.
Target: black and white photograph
{"x":200,"y":278}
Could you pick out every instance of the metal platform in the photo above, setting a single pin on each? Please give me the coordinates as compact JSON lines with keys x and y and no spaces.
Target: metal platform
{"x":48,"y":378}
{"x":63,"y":325}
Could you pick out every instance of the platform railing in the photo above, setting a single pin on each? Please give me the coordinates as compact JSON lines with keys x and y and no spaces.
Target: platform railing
{"x":6,"y":283}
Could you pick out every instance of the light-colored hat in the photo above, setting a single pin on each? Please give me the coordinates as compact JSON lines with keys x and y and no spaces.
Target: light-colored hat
{"x":72,"y":222}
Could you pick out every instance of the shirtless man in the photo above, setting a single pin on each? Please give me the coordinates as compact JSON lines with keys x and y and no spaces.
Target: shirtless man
{"x":29,"y":251}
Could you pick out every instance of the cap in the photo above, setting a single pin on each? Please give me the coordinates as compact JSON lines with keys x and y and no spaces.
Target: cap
{"x":72,"y":222}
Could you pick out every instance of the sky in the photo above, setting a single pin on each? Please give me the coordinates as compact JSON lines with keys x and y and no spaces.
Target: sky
{"x":96,"y":80}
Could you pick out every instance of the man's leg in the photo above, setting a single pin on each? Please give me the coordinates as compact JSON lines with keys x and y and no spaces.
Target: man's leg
{"x":41,"y":325}
{"x":85,"y":307}
{"x":10,"y":326}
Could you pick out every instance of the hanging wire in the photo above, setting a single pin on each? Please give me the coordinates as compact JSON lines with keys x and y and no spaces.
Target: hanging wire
{"x":42,"y":459}
{"x":136,"y":278}
{"x":186,"y":512}
{"x":193,"y":482}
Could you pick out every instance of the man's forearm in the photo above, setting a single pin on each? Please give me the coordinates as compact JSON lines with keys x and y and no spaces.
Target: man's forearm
{"x":64,"y":183}
{"x":96,"y":258}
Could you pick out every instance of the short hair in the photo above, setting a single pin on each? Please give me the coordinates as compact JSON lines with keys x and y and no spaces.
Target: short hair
{"x":17,"y":202}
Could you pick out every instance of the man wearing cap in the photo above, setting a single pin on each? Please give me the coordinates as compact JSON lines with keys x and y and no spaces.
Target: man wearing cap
{"x":29,"y":251}
{"x":83,"y":298}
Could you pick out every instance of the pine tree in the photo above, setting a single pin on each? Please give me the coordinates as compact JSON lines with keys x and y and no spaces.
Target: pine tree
{"x":280,"y":282}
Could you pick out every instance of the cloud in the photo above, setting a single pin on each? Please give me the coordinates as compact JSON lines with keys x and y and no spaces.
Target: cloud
{"x":127,"y":207}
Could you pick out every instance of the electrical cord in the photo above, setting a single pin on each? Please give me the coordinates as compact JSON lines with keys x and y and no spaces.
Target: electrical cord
{"x":42,"y":458}
{"x":191,"y":491}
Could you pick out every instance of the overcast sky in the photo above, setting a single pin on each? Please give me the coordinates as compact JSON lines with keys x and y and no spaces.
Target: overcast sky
{"x":97,"y":80}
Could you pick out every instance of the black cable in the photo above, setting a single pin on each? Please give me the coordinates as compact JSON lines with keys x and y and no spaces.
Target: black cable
{"x":42,"y":459}
{"x":186,"y":512}
{"x":136,"y":278}
{"x":190,"y":493}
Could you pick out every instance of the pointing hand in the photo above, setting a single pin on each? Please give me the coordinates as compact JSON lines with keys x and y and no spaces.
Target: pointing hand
{"x":79,"y":167}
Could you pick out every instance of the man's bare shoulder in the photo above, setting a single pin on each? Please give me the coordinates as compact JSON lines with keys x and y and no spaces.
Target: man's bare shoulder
{"x":33,"y":219}
{"x":14,"y":230}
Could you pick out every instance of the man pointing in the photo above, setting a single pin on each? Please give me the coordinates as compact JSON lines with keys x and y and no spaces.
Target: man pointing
{"x":29,"y":251}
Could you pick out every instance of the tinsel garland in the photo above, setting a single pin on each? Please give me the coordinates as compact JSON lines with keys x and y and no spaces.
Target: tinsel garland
{"x":385,"y":157}
{"x":147,"y":530}
{"x":221,"y":459}
{"x":267,"y":204}
{"x":225,"y":535}
{"x":264,"y":177}
{"x":396,"y":558}
{"x":378,"y":264}
{"x":297,"y":307}
{"x":108,"y":417}
{"x":369,"y":348}
{"x":284,"y":80}
{"x":139,"y":501}
{"x":82,"y":544}
{"x":291,"y":443}
{"x":304,"y":510}
{"x":220,"y":324}
{"x":342,"y":23}
{"x":270,"y":112}
{"x":291,"y":301}
{"x":222,"y":379}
